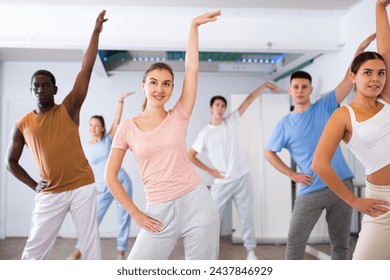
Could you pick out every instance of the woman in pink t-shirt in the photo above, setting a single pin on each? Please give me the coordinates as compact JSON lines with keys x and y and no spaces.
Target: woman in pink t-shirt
{"x":179,"y":206}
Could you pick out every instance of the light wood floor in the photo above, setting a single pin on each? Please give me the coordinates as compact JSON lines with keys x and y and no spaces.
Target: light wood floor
{"x":11,"y":249}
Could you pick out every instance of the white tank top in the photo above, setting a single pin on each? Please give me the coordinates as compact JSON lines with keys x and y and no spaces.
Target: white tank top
{"x":370,"y":141}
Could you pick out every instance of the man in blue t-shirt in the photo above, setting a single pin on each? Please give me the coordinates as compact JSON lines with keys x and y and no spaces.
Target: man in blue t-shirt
{"x":299,"y":133}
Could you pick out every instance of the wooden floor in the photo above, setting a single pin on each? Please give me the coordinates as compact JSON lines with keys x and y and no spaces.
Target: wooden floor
{"x":11,"y":249}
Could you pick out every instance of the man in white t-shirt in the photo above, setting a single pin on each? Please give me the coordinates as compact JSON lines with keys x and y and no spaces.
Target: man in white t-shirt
{"x":219,"y":140}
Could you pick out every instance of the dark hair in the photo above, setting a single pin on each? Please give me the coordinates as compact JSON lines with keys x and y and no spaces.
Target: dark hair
{"x":160,"y":66}
{"x":363,"y":57}
{"x":300,"y":75}
{"x":217,"y":97}
{"x":45,"y":73}
{"x":101,"y":119}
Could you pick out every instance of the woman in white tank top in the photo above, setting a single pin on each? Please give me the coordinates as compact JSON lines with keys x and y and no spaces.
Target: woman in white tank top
{"x":364,"y":125}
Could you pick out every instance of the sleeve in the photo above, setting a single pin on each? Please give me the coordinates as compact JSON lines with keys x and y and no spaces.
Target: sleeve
{"x":199,"y":144}
{"x":179,"y":110}
{"x":120,"y":141}
{"x":277,"y":140}
{"x":328,"y":102}
{"x":233,"y":119}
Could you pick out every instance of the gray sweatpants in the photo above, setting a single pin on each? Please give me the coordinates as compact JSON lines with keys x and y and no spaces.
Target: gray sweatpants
{"x":307,"y":210}
{"x":240,"y":190}
{"x":192,"y":217}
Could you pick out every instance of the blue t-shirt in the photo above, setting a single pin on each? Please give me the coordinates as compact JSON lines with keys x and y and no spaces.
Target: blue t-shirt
{"x":299,"y":133}
{"x":97,"y":155}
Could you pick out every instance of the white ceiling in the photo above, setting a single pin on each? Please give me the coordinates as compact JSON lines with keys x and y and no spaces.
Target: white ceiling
{"x":239,"y":7}
{"x":262,"y":4}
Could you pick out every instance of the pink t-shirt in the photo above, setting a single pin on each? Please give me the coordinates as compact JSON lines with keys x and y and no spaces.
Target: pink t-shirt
{"x":161,"y":156}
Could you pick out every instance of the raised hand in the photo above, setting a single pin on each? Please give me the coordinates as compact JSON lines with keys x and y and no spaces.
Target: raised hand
{"x":363,"y":45}
{"x":272,"y":87}
{"x":384,"y":2}
{"x":100,"y":20}
{"x":123,"y":96}
{"x":205,"y":18}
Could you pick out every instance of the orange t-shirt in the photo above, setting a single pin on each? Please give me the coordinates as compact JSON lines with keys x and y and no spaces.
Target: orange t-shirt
{"x":54,"y":141}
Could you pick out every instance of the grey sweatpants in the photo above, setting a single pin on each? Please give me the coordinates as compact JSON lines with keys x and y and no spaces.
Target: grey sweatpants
{"x":192,"y":217}
{"x":240,"y":191}
{"x":307,"y":210}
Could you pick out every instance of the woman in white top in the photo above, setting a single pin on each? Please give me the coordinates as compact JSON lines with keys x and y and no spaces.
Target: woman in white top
{"x":364,"y":125}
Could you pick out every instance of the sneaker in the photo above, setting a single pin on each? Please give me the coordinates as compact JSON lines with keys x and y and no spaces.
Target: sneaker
{"x":72,"y":258}
{"x":251,"y":256}
{"x":120,"y":257}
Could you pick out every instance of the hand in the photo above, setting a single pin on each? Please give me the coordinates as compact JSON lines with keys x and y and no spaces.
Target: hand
{"x":41,"y":186}
{"x":383,"y":2}
{"x":100,"y":20}
{"x":205,"y":18}
{"x":272,"y":87}
{"x":371,"y":207}
{"x":302,"y":179}
{"x":123,"y":96}
{"x":216,"y":174}
{"x":363,"y":45}
{"x":147,"y":223}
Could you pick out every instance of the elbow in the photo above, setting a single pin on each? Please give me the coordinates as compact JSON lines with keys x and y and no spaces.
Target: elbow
{"x":191,"y":158}
{"x":317,"y":166}
{"x":108,"y":179}
{"x":267,"y":154}
{"x":191,"y":155}
{"x":9,"y":164}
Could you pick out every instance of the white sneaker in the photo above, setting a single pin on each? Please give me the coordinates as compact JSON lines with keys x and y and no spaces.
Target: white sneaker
{"x":71,"y":258}
{"x":251,"y":256}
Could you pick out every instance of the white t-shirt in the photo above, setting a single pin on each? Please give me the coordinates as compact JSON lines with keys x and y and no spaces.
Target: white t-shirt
{"x":220,"y":143}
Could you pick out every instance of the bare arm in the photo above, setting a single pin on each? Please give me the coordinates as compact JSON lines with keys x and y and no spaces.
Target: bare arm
{"x":332,"y":135}
{"x":194,"y":159}
{"x":252,"y":96}
{"x":113,"y":165}
{"x":76,"y":97}
{"x":345,"y":86}
{"x":190,"y":83}
{"x":14,"y":152}
{"x":276,"y":161}
{"x":383,"y":40}
{"x":118,"y":114}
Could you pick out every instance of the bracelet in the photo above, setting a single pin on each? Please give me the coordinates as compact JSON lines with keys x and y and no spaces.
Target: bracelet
{"x":121,"y":101}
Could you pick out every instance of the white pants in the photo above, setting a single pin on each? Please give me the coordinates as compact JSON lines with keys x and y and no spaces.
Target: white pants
{"x":374,"y":237}
{"x":48,"y":215}
{"x":192,"y":217}
{"x":240,"y":191}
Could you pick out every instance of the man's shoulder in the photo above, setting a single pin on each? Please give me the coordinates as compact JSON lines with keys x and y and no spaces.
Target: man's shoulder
{"x":26,"y":117}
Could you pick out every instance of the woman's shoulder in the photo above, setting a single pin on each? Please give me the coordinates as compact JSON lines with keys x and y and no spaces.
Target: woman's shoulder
{"x":341,"y":113}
